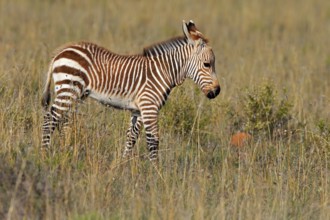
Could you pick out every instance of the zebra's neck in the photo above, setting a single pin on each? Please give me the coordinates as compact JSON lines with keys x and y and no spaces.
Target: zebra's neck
{"x":169,"y":57}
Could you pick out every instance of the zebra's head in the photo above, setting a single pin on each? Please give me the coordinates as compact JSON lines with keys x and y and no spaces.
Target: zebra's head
{"x":201,"y":64}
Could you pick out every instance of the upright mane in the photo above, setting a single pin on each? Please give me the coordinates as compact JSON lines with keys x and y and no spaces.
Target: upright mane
{"x":164,"y":47}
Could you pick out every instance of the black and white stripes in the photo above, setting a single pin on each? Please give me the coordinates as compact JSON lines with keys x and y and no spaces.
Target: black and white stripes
{"x":139,"y":83}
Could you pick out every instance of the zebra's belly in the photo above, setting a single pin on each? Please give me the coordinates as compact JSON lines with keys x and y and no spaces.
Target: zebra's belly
{"x":115,"y":101}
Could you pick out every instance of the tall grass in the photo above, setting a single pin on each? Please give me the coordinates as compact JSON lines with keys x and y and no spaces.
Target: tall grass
{"x":200,"y":175}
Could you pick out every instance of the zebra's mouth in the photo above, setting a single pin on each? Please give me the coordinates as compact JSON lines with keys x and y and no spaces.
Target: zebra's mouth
{"x":213,"y":93}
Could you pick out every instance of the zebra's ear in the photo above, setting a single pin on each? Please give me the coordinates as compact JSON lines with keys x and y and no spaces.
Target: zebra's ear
{"x":192,"y":34}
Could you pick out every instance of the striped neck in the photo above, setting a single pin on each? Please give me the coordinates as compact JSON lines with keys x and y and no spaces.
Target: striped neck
{"x":174,"y":54}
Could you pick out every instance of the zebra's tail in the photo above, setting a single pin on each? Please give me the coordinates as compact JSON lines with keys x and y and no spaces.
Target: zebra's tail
{"x":46,"y":95}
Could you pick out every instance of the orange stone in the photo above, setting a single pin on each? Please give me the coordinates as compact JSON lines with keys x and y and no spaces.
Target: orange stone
{"x":240,"y":139}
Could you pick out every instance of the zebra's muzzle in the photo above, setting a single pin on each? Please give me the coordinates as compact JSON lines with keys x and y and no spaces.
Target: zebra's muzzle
{"x":213,"y":93}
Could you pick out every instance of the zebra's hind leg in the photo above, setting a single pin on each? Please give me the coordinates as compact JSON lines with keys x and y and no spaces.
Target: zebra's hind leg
{"x":65,"y":128}
{"x":132,"y":134}
{"x":57,"y":115}
{"x":52,"y":120}
{"x":47,"y":130}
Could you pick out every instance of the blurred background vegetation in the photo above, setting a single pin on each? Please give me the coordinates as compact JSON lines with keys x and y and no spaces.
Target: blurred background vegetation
{"x":273,"y":63}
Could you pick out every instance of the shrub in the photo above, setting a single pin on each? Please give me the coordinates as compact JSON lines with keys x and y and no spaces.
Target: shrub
{"x":261,"y":111}
{"x":182,"y":112}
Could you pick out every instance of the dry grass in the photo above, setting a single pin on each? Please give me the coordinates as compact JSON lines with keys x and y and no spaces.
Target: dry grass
{"x":200,"y":176}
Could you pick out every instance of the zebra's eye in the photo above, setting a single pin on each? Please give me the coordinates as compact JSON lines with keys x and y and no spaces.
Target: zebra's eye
{"x":207,"y":65}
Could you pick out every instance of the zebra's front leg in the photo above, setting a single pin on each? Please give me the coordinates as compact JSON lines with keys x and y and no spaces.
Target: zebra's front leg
{"x":132,"y":134}
{"x":150,"y":122}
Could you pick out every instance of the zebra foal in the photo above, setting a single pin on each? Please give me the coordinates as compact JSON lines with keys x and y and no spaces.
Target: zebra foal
{"x":139,"y":83}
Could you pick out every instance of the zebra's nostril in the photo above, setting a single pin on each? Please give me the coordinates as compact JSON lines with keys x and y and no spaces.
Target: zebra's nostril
{"x":211,"y":95}
{"x":214,"y":93}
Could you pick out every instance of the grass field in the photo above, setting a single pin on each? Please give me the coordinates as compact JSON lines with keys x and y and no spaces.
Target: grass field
{"x":273,"y":64}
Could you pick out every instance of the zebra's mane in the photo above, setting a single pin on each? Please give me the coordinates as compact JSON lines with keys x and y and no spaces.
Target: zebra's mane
{"x":164,"y":47}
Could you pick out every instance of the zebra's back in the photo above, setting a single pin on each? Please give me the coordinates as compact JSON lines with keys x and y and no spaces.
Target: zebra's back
{"x":112,"y":79}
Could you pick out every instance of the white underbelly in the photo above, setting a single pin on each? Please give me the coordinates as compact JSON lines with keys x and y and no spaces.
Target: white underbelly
{"x":115,"y":101}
